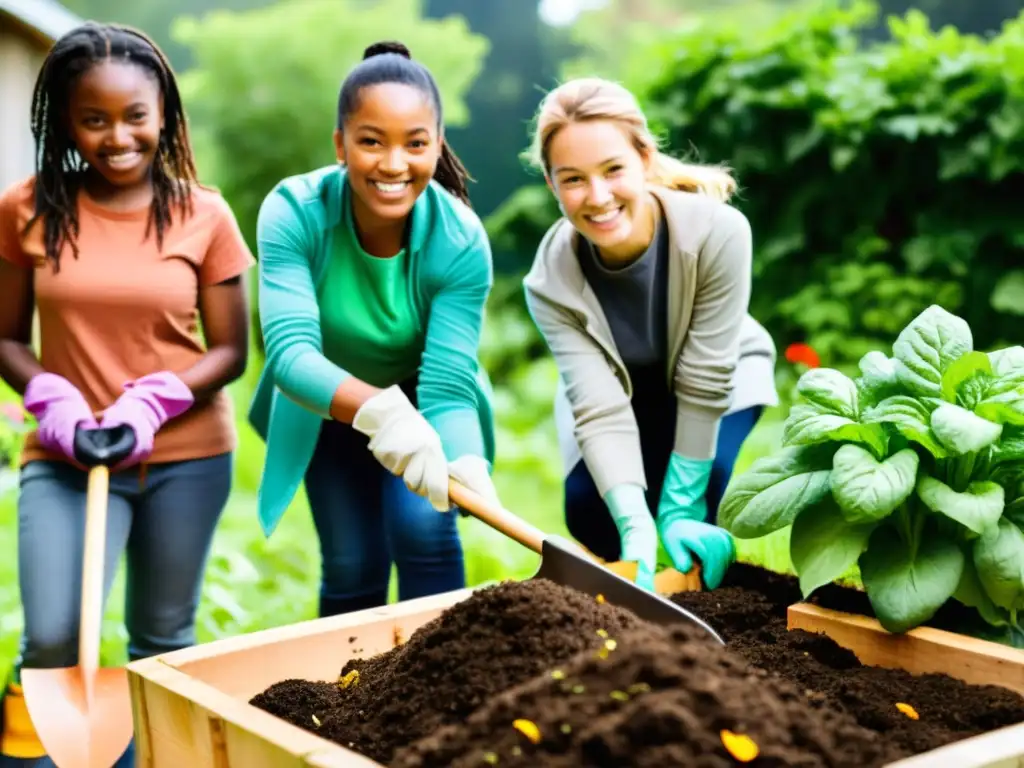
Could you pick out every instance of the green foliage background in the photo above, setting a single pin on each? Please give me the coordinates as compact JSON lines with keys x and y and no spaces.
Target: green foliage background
{"x":878,"y":178}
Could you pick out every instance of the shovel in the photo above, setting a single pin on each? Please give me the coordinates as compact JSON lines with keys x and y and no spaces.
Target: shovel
{"x":83,"y":714}
{"x":564,"y":563}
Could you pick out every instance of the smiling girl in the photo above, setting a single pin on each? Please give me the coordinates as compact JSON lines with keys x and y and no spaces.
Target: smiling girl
{"x":373,"y":277}
{"x":641,"y":292}
{"x":123,"y":254}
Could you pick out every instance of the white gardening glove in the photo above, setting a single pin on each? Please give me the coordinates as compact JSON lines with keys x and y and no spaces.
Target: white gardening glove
{"x":472,"y":472}
{"x":405,"y":444}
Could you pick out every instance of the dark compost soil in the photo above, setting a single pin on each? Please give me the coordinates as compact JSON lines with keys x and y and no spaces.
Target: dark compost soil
{"x":450,"y":694}
{"x":749,"y":611}
{"x":660,"y":698}
{"x":497,"y":638}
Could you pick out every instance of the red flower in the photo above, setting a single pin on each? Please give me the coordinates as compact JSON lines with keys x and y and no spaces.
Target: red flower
{"x":12,"y":412}
{"x":803,"y":353}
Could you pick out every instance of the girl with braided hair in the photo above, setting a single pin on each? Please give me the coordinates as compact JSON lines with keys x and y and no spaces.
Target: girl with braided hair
{"x":373,"y":277}
{"x":123,"y":253}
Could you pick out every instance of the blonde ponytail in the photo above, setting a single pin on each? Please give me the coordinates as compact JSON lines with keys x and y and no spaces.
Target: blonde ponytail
{"x":714,"y":181}
{"x":593,"y":98}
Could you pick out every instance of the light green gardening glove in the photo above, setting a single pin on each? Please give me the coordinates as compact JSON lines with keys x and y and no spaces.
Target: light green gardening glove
{"x":682,"y":510}
{"x":637,"y":532}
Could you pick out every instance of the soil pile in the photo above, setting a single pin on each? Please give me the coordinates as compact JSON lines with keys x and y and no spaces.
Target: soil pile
{"x":497,"y":638}
{"x":653,"y":698}
{"x":749,"y":612}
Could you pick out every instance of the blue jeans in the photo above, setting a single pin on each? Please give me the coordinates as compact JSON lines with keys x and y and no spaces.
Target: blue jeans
{"x":163,"y":520}
{"x":366,"y":519}
{"x":586,"y":514}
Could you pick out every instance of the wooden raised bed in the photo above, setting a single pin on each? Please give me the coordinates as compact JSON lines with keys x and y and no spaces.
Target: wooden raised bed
{"x":191,"y":709}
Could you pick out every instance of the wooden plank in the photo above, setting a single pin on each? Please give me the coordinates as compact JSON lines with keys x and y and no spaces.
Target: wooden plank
{"x":189,"y":723}
{"x":920,"y":651}
{"x":191,"y":706}
{"x":670,"y":581}
{"x":1003,"y":748}
{"x":667,"y":581}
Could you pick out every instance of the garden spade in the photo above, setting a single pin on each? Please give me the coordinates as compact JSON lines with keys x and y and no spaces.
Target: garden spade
{"x":83,"y":714}
{"x":567,"y":564}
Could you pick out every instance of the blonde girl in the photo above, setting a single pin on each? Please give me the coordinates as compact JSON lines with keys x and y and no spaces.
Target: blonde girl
{"x":641,"y":292}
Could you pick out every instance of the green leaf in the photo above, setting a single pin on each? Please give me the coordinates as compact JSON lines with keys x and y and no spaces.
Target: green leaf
{"x":962,"y":369}
{"x":1003,"y":399}
{"x":1010,"y":446}
{"x":961,"y":431}
{"x":823,"y":545}
{"x":972,"y":593}
{"x":912,"y":419}
{"x":877,"y":379}
{"x":770,"y":494}
{"x":1008,"y":294}
{"x":978,"y":508}
{"x":1005,"y":407}
{"x":927,"y":347}
{"x":908,"y":585}
{"x":1008,"y":365}
{"x":830,"y":390}
{"x":999,"y":558}
{"x":868,"y":490}
{"x":807,"y":425}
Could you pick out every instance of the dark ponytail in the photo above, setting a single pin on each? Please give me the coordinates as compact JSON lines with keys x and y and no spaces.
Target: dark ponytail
{"x":390,"y":62}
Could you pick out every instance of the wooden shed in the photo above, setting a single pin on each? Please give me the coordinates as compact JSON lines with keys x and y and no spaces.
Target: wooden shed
{"x":28,"y":28}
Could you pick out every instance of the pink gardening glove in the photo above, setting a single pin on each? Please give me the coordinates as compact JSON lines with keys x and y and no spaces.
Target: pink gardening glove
{"x":146,"y":405}
{"x":59,"y":409}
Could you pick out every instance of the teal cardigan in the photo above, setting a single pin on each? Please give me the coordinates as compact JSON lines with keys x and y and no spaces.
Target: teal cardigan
{"x":451,"y":273}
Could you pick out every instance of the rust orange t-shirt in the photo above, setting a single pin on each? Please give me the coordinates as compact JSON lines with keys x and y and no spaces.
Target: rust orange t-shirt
{"x":125,"y":308}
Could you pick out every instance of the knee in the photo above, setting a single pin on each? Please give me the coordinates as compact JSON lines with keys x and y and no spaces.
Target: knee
{"x":424,"y":533}
{"x":50,"y":647}
{"x":161,"y":629}
{"x":353,"y":569}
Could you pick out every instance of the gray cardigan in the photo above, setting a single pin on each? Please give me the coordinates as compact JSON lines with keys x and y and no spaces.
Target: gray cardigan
{"x":709,"y":331}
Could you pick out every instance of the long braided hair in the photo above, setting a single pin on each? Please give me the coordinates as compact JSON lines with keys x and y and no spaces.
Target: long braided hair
{"x":391,"y":62}
{"x":59,"y":169}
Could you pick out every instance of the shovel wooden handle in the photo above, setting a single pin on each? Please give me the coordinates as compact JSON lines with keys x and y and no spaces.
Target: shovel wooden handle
{"x":91,"y":618}
{"x":499,"y":518}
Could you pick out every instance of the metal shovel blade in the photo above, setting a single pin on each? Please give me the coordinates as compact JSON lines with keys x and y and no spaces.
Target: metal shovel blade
{"x":563,"y":563}
{"x":76,"y":730}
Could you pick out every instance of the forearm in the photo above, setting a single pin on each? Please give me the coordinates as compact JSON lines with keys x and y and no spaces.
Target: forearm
{"x":18,"y":364}
{"x":349,"y":398}
{"x":214,"y":370}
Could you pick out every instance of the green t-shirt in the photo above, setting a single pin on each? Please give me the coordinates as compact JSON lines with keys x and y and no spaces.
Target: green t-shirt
{"x":367,"y":315}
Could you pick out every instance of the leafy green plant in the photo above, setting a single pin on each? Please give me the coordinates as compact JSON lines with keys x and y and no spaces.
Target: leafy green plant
{"x":913,"y":470}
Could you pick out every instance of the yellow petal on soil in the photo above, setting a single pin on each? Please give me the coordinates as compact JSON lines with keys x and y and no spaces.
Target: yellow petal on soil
{"x":741,"y":747}
{"x":602,"y":632}
{"x":316,"y":721}
{"x":528,"y":728}
{"x":600,"y":598}
{"x":907,"y":710}
{"x":490,"y":758}
{"x":610,"y":644}
{"x":558,"y":674}
{"x":352,"y":678}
